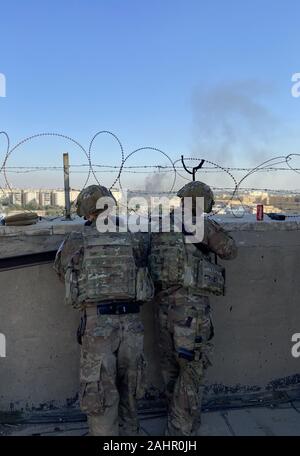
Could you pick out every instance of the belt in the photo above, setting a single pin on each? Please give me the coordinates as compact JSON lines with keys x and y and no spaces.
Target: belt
{"x":115,"y":308}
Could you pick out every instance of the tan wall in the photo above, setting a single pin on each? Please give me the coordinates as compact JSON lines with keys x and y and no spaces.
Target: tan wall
{"x":254,"y":324}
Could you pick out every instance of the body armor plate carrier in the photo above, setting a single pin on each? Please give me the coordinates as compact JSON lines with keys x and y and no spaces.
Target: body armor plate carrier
{"x":175,"y":263}
{"x":107,"y":269}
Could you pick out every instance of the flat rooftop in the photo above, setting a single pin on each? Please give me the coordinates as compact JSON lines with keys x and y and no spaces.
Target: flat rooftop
{"x":281,"y":420}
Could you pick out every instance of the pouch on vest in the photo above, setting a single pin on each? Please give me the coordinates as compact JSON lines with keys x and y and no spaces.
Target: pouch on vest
{"x":71,"y":288}
{"x":203,"y":277}
{"x":74,"y":294}
{"x":108,"y":270}
{"x":173,"y":262}
{"x":166,"y":259}
{"x":144,"y":285}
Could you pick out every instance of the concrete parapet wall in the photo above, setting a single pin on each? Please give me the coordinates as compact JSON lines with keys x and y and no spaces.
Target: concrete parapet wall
{"x":254,"y":322}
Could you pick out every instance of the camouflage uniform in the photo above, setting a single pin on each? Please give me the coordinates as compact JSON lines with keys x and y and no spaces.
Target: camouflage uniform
{"x":184,"y":321}
{"x":112,"y":365}
{"x":112,"y":361}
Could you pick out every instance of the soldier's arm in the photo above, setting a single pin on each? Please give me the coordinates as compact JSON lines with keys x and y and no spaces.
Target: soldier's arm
{"x":219,"y":241}
{"x":68,"y":248}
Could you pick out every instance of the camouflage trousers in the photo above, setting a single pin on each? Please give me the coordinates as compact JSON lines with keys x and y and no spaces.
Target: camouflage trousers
{"x":184,"y":333}
{"x":111,"y":371}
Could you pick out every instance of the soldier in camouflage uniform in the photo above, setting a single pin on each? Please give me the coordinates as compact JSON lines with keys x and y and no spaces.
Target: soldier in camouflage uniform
{"x":185,"y":275}
{"x":104,"y":274}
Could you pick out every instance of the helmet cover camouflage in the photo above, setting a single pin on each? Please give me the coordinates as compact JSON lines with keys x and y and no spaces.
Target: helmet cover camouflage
{"x":198,"y":189}
{"x":87,"y":199}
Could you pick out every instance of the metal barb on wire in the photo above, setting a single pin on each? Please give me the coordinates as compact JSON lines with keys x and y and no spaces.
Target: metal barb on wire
{"x":269,"y":165}
{"x":194,"y":169}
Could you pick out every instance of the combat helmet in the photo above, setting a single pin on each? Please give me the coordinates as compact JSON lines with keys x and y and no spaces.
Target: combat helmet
{"x":87,"y":199}
{"x":200,"y":189}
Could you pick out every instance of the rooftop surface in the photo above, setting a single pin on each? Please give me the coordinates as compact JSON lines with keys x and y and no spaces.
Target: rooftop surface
{"x":281,"y":420}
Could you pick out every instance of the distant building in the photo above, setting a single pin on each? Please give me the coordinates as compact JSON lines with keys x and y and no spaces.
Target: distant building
{"x":30,"y":196}
{"x":45,"y":198}
{"x":58,"y":198}
{"x":16,"y":197}
{"x":42,"y":197}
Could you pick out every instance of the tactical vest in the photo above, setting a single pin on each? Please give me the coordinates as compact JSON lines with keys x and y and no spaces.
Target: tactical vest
{"x":176,"y":263}
{"x":106,"y":269}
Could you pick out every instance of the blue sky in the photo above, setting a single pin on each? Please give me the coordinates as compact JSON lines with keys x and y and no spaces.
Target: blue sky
{"x":193,"y":77}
